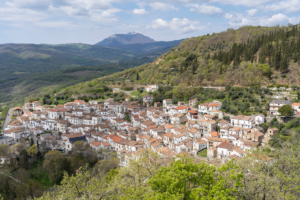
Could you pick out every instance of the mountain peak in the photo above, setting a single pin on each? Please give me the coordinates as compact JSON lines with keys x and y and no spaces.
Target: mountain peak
{"x":133,"y":37}
{"x":133,"y":33}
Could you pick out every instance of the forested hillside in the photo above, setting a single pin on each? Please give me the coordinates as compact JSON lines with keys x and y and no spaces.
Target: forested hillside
{"x":27,"y":69}
{"x":246,"y":57}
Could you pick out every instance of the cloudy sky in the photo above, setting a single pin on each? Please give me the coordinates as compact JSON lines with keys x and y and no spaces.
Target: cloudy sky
{"x":90,"y":21}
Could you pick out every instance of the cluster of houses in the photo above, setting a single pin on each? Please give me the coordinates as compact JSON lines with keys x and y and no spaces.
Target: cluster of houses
{"x":167,"y":129}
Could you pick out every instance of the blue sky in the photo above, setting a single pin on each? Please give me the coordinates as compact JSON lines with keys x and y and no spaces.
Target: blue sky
{"x":90,"y":21}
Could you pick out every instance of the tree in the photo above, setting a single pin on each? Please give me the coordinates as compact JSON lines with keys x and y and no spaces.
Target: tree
{"x":137,"y":76}
{"x":105,"y":88}
{"x":82,"y":155}
{"x":56,"y":102}
{"x":24,"y":159}
{"x":184,"y":179}
{"x":80,"y":186}
{"x":54,"y":164}
{"x":286,"y":110}
{"x":32,"y":151}
{"x":228,"y":87}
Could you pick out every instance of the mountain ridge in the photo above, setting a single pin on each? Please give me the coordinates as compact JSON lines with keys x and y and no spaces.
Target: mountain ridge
{"x":133,"y":37}
{"x":248,"y":56}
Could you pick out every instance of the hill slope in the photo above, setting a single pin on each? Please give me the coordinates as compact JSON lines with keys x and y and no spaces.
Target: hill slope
{"x":28,"y":68}
{"x":123,"y":39}
{"x":247,"y":56}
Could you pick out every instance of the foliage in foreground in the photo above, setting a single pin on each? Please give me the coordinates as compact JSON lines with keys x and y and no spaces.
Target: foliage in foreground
{"x":153,"y":178}
{"x":263,"y":174}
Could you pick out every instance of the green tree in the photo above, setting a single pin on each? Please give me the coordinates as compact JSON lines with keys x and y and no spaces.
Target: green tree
{"x":32,"y":151}
{"x":54,"y":164}
{"x":286,"y":110}
{"x":184,"y":179}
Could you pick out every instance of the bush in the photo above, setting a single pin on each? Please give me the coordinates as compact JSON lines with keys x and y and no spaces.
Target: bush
{"x":126,"y":88}
{"x":227,"y":118}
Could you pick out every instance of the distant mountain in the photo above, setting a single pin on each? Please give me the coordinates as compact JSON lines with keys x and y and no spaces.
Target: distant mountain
{"x":123,"y":39}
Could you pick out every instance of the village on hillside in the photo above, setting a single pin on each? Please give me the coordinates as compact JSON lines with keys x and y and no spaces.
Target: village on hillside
{"x":129,"y":127}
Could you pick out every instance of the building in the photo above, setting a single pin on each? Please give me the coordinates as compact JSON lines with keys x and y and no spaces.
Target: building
{"x":193,"y":102}
{"x":17,"y":111}
{"x":35,"y":104}
{"x":223,"y":149}
{"x":272,"y":131}
{"x":242,"y":121}
{"x":259,"y":119}
{"x":276,"y":104}
{"x":296,"y":108}
{"x":207,"y":107}
{"x":167,"y":102}
{"x":147,"y":100}
{"x":152,"y":88}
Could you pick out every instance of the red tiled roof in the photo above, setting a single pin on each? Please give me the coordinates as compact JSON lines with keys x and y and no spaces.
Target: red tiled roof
{"x":181,"y":107}
{"x":105,"y":144}
{"x":96,"y":143}
{"x":215,"y":134}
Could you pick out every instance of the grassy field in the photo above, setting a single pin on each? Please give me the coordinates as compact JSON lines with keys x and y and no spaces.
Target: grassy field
{"x":203,"y":153}
{"x":135,"y":93}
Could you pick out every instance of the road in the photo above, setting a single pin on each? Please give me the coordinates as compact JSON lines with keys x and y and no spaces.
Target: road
{"x":126,"y":92}
{"x":8,"y":118}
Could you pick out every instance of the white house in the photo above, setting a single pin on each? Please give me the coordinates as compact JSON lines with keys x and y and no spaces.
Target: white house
{"x":199,"y":144}
{"x":223,"y":148}
{"x":276,"y":104}
{"x":152,"y":88}
{"x":206,"y":107}
{"x":296,"y":108}
{"x":167,"y":102}
{"x":242,"y":121}
{"x":95,"y":145}
{"x":259,"y":119}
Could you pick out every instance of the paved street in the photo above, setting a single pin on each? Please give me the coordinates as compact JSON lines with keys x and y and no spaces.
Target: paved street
{"x":8,"y":118}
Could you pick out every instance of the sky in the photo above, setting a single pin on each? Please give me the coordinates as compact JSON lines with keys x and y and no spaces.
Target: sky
{"x":90,"y":21}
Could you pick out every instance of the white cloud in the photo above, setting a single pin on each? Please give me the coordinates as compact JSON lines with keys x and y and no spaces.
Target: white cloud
{"x":248,"y":3}
{"x":99,"y":11}
{"x":177,"y":25}
{"x":142,"y":4}
{"x":295,"y":20}
{"x":58,"y":24}
{"x":274,"y":20}
{"x":205,"y":9}
{"x":20,"y":15}
{"x":237,"y":19}
{"x":288,"y":5}
{"x":252,"y":12}
{"x":163,"y":6}
{"x":141,"y":11}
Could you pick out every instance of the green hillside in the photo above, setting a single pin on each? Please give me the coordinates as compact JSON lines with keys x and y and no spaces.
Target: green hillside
{"x":246,"y":57}
{"x":27,"y":69}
